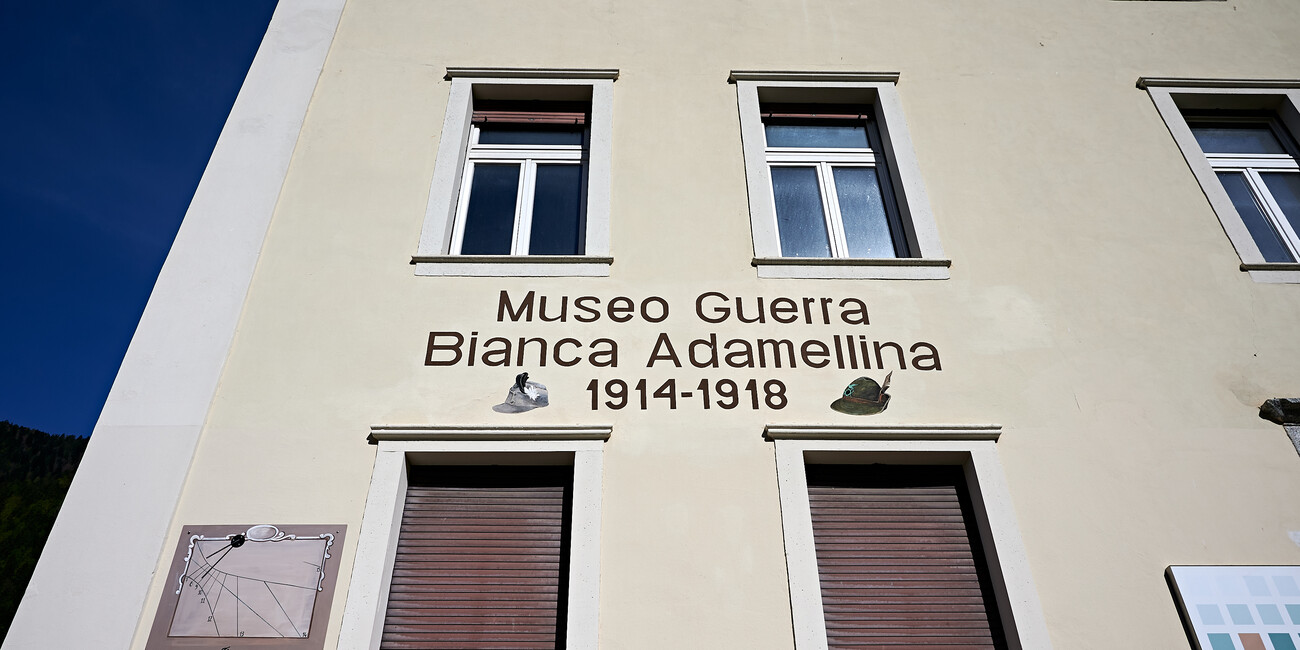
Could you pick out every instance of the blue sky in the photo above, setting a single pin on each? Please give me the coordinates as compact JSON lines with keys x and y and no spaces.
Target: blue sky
{"x":109,"y":112}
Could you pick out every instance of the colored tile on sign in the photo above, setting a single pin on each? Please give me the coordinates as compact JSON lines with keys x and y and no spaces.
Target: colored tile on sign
{"x":1269,"y":615}
{"x":1281,"y":641}
{"x":1210,"y":614}
{"x":1222,"y":642}
{"x":1294,"y":612}
{"x":1286,"y":585}
{"x":1257,"y":586}
{"x":1252,"y":642}
{"x":1240,"y":615}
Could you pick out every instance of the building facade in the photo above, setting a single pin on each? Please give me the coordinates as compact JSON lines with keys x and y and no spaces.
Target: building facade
{"x":717,"y":325}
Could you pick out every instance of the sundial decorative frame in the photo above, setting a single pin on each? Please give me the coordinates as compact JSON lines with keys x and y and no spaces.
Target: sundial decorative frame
{"x":249,"y":586}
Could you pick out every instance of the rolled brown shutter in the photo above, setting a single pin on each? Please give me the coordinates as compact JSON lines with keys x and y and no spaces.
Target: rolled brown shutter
{"x":899,"y":559}
{"x":481,"y":559}
{"x":528,"y":117}
{"x":836,"y":112}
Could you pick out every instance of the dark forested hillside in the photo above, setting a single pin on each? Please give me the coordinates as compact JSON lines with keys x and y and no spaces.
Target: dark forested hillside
{"x":35,"y":470}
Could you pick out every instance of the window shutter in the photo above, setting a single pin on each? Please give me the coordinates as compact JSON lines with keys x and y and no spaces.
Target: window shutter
{"x":528,"y":117}
{"x":481,"y":559}
{"x":837,"y":112}
{"x":814,"y":115}
{"x":899,"y":558}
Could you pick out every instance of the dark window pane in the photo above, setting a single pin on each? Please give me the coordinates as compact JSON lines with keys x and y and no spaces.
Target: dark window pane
{"x":815,"y":135}
{"x":866,"y":226}
{"x":799,"y":217}
{"x":1246,"y":138}
{"x":557,"y":211}
{"x":1265,"y":238}
{"x":490,"y":219}
{"x":526,"y":134}
{"x":1285,"y":188}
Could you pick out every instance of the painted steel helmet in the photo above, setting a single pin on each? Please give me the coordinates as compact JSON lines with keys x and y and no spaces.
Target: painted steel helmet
{"x":524,"y":396}
{"x":863,"y":397}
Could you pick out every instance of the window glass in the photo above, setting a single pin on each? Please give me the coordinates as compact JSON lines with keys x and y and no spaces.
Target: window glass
{"x":1243,"y":138}
{"x":1266,"y":238}
{"x":529,"y":134}
{"x":1285,"y":188}
{"x":800,"y":219}
{"x":557,"y":211}
{"x":490,"y":218}
{"x":866,"y":225}
{"x":836,"y":136}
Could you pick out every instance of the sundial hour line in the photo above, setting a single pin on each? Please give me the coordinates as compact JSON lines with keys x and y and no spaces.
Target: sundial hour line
{"x":286,"y":614}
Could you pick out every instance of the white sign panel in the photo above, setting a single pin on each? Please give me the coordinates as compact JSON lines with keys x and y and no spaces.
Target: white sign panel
{"x":1240,"y":607}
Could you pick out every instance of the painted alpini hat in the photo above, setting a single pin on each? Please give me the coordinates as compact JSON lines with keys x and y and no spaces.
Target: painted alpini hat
{"x":863,"y":397}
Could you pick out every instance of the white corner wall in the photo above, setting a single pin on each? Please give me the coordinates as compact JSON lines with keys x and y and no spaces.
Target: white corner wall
{"x":90,"y":585}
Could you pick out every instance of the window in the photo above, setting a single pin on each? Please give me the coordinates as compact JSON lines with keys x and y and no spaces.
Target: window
{"x":1238,"y":139}
{"x":826,"y":187}
{"x":1256,"y":164}
{"x":522,"y":192}
{"x":834,"y":190}
{"x":521,"y":183}
{"x":426,"y":576}
{"x":866,"y":512}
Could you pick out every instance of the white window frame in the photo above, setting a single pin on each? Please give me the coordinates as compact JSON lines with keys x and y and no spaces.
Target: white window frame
{"x":1172,"y":96}
{"x":970,"y":446}
{"x":527,"y":159}
{"x":823,"y":160}
{"x":1250,"y":165}
{"x":904,"y":178}
{"x":448,"y":191}
{"x":402,"y":446}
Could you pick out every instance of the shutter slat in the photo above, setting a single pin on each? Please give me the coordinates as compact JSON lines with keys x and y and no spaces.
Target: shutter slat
{"x":479,"y":558}
{"x":434,"y":533}
{"x":461,"y":645}
{"x":463,"y":609}
{"x":897,"y":559}
{"x":488,"y":633}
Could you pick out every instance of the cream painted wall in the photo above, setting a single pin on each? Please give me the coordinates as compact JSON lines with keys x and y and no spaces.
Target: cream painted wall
{"x":1095,"y":308}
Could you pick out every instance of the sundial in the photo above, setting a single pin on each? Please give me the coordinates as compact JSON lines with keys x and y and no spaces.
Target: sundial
{"x":262,"y":583}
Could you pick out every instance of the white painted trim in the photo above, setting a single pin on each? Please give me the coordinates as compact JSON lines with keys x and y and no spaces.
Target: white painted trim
{"x":486,"y":432}
{"x":1203,"y":83}
{"x":849,"y":261}
{"x":828,"y":76}
{"x":904,"y":176}
{"x":533,"y":73}
{"x":367,"y":600}
{"x":762,"y":216}
{"x":583,"y":625}
{"x":436,"y":236}
{"x":467,"y":266}
{"x":131,"y":476}
{"x":913,"y":201}
{"x":853,"y":269}
{"x":1163,"y":92}
{"x":883,"y":432}
{"x":1008,"y":563}
{"x":1269,"y":276}
{"x":372,"y":568}
{"x":800,"y":549}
